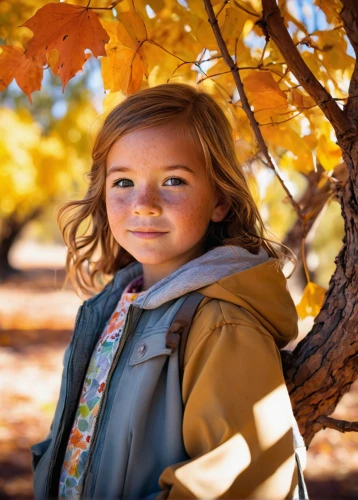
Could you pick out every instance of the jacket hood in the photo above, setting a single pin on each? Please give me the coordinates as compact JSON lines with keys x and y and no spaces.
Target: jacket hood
{"x":231,"y":273}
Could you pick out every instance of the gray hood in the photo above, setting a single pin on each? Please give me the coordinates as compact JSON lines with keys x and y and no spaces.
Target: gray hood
{"x":207,"y":269}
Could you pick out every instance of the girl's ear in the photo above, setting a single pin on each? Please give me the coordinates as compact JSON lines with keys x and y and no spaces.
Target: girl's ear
{"x":221,"y":208}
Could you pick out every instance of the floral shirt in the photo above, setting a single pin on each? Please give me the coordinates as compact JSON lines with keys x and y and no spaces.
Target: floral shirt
{"x":93,"y":387}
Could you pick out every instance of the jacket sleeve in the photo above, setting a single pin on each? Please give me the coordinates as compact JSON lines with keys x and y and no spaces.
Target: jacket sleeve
{"x":237,"y":419}
{"x":39,"y":449}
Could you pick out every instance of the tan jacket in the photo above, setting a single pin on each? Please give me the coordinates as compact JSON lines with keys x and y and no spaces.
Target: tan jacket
{"x":237,"y":417}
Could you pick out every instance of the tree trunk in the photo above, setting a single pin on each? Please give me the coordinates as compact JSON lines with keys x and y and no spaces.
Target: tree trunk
{"x":10,"y":230}
{"x":324,"y":364}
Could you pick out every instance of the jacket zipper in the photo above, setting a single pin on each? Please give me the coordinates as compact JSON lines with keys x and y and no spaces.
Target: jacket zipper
{"x":126,"y":331}
{"x":60,"y":427}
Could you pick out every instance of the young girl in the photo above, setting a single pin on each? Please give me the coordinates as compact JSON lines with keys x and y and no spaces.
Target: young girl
{"x":171,"y":212}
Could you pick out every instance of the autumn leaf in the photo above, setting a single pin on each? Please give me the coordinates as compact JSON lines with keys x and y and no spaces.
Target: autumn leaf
{"x":329,"y":153}
{"x":233,"y":24}
{"x":205,"y":35}
{"x":285,"y":137}
{"x":300,"y":100}
{"x":70,"y":29}
{"x":27,"y":72}
{"x":311,"y":301}
{"x":126,"y":61}
{"x":264,"y":91}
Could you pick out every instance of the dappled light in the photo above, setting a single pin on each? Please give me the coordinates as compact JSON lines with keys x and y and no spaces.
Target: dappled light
{"x":271,"y":422}
{"x":215,"y":467}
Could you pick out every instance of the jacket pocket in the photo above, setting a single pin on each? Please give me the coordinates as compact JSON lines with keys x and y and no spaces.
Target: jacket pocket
{"x":149,"y":347}
{"x":38,"y":450}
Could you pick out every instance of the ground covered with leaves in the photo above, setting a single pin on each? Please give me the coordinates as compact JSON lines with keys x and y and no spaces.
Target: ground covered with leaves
{"x":36,"y":318}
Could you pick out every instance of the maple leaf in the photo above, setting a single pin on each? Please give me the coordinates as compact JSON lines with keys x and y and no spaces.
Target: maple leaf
{"x":27,"y":72}
{"x":70,"y":29}
{"x":126,"y":62}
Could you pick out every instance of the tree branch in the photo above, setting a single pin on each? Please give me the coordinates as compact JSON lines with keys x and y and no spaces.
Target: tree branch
{"x":272,"y":25}
{"x":245,"y":103}
{"x":338,"y":425}
{"x":313,"y":201}
{"x":349,"y":16}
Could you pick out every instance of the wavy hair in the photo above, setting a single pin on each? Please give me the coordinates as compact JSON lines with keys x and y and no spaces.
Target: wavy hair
{"x":93,"y":255}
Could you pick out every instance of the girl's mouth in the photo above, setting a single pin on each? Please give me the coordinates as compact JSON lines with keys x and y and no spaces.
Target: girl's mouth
{"x":146,"y":235}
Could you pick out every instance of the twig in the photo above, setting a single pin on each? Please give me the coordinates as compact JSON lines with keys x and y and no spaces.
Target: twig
{"x":272,"y":25}
{"x":97,"y":8}
{"x":245,"y":103}
{"x":263,"y":54}
{"x":303,"y":252}
{"x":246,"y":10}
{"x":160,"y":46}
{"x":338,"y":425}
{"x":223,"y":6}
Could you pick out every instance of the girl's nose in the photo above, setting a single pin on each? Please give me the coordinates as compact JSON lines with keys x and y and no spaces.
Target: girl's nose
{"x":147,"y":203}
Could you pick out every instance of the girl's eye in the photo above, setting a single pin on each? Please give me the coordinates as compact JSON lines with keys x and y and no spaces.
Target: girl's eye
{"x":118,"y":181}
{"x":182,"y":181}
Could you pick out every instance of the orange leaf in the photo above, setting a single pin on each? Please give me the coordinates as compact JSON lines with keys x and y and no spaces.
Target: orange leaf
{"x":264,"y":91}
{"x":27,"y":72}
{"x":300,"y":100}
{"x":123,"y":69}
{"x":70,"y":29}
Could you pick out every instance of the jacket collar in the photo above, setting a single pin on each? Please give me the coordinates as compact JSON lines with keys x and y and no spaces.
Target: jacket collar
{"x":204,"y":270}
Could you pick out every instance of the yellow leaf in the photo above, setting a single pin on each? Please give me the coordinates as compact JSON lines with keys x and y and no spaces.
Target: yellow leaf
{"x":331,"y":9}
{"x":205,"y":35}
{"x":126,"y":62}
{"x":243,"y":151}
{"x":111,"y":100}
{"x":242,"y":127}
{"x":134,"y":27}
{"x":254,"y":7}
{"x":314,"y":64}
{"x":122,"y":69}
{"x":328,"y":153}
{"x":311,"y":301}
{"x":311,"y":141}
{"x":283,"y":136}
{"x":233,"y":24}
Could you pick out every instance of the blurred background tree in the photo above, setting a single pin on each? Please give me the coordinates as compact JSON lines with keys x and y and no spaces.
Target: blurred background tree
{"x":44,"y":146}
{"x":44,"y":155}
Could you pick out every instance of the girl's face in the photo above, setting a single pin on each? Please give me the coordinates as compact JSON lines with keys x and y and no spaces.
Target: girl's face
{"x":156,"y":182}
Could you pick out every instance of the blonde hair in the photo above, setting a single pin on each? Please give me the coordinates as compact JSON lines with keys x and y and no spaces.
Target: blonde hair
{"x":203,"y":121}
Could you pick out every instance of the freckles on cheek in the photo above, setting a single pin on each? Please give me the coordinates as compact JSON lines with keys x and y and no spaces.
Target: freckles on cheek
{"x":189,"y":218}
